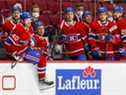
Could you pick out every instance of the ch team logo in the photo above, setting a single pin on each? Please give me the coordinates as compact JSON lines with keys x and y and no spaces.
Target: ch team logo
{"x":78,"y":82}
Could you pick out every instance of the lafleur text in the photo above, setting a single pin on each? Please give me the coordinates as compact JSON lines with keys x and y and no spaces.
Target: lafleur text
{"x":77,"y":84}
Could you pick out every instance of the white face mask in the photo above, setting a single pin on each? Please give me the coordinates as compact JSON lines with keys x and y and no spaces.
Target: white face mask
{"x":110,"y":18}
{"x":35,"y":14}
{"x":80,"y":13}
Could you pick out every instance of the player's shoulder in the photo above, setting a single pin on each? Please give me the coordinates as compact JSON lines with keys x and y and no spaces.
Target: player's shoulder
{"x":61,"y":23}
{"x":122,"y":20}
{"x":7,"y":20}
{"x":79,"y":22}
{"x":94,"y":24}
{"x":81,"y":25}
{"x":85,"y":24}
{"x":112,"y":23}
{"x":19,"y":25}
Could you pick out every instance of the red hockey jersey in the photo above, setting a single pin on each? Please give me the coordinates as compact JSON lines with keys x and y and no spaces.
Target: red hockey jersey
{"x":40,"y":43}
{"x":121,"y":23}
{"x":86,"y":27}
{"x":19,"y":40}
{"x":122,"y":27}
{"x":8,"y":26}
{"x":104,"y":38}
{"x":74,"y":37}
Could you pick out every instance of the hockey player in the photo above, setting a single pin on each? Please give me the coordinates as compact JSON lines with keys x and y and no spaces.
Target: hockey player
{"x":86,"y":21}
{"x":73,"y":36}
{"x":35,"y":12}
{"x":38,"y":55}
{"x":20,"y":37}
{"x":87,"y":17}
{"x":104,"y":38}
{"x":11,"y":22}
{"x":79,"y":12}
{"x":121,"y":23}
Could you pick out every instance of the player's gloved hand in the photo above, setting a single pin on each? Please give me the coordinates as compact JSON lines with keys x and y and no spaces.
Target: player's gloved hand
{"x":95,"y":55}
{"x":122,"y":51}
{"x":61,"y":39}
{"x":87,"y":48}
{"x":23,"y":42}
{"x":108,"y":38}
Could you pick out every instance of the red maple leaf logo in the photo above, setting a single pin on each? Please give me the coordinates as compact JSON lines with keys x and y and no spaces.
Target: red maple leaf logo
{"x":89,"y":71}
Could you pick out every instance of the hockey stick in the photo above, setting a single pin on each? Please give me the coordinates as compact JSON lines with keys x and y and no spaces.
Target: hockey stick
{"x":14,"y":63}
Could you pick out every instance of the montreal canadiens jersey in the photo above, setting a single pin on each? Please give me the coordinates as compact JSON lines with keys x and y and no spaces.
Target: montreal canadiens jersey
{"x":73,"y":37}
{"x":19,"y":39}
{"x":100,"y":32}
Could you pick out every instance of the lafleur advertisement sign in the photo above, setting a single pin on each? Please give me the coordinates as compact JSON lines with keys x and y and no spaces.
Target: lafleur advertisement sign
{"x":78,"y":82}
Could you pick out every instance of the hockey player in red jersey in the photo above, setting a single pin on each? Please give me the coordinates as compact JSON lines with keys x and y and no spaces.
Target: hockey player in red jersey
{"x":10,"y":23}
{"x":86,"y":21}
{"x":73,"y":36}
{"x":121,"y":23}
{"x":20,"y":37}
{"x":38,"y":55}
{"x":7,"y":26}
{"x":104,"y":38}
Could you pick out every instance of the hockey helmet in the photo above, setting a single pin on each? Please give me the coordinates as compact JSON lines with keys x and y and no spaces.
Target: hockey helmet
{"x":86,"y":13}
{"x":102,"y":10}
{"x":37,"y":24}
{"x":14,"y":9}
{"x":118,"y":9}
{"x":69,"y":10}
{"x":25,"y":15}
